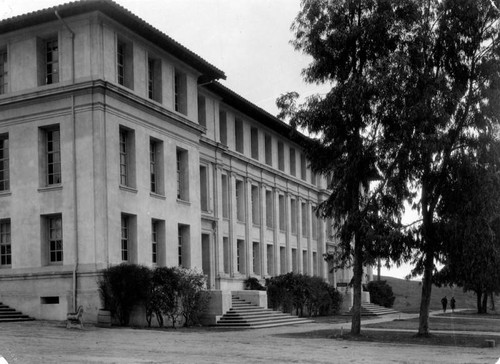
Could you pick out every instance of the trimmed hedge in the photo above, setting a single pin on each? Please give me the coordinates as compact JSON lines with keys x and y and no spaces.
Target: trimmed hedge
{"x":381,"y":293}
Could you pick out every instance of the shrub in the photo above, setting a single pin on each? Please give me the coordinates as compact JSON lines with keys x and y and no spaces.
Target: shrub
{"x":122,"y":287}
{"x":296,"y":292}
{"x":381,"y":293}
{"x":253,"y":284}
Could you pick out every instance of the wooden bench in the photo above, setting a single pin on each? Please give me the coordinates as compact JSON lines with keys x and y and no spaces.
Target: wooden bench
{"x":75,"y":319}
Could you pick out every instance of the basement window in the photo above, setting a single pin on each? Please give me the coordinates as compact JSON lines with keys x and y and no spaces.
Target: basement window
{"x":49,"y":300}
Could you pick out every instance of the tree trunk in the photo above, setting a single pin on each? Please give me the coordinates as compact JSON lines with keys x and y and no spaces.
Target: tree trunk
{"x":425,"y":301}
{"x":492,"y":299}
{"x":479,"y":293}
{"x":485,"y":302}
{"x":358,"y":274}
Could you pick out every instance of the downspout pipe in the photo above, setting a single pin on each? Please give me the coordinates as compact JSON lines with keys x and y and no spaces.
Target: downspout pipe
{"x":75,"y":168}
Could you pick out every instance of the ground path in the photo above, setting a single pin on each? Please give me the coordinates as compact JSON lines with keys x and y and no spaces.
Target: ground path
{"x":50,"y":342}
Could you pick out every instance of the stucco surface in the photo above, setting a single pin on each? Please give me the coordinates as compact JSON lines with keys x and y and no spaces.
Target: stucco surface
{"x":51,"y":342}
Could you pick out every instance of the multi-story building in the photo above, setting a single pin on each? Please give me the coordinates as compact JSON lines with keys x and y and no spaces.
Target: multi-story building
{"x":118,"y":145}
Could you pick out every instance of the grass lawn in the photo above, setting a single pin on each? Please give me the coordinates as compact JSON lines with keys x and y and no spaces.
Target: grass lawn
{"x":400,"y":338}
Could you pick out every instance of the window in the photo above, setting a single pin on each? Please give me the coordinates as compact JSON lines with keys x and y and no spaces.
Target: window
{"x":51,"y":62}
{"x":255,"y":205}
{"x":269,"y":209}
{"x":270,"y":259}
{"x":4,"y":163}
{"x":50,"y":155}
{"x":158,"y":242}
{"x":269,"y":150}
{"x":156,"y":165}
{"x":182,"y":175}
{"x":256,"y":257}
{"x":304,"y":219}
{"x":183,"y":246}
{"x":154,"y":79}
{"x":223,"y":127}
{"x":313,"y":178}
{"x":294,"y":260}
{"x":124,"y":63}
{"x":238,"y":135}
{"x":225,"y":244}
{"x":55,"y":238}
{"x":240,"y":256}
{"x":180,"y":92}
{"x":202,"y":111}
{"x":254,"y":139}
{"x":282,"y":260}
{"x":304,"y":262}
{"x":4,"y":67}
{"x":281,"y":200}
{"x":293,"y":216}
{"x":5,"y":244}
{"x":125,"y":234}
{"x":240,"y":201}
{"x":281,"y":156}
{"x":127,"y":157}
{"x":303,"y":168}
{"x":315,"y":263}
{"x":154,"y":242}
{"x":225,"y":197}
{"x":204,"y":188}
{"x":292,"y":162}
{"x":314,"y":223}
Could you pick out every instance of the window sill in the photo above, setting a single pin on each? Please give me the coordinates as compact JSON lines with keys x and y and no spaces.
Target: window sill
{"x":183,"y":202}
{"x":158,"y":196}
{"x":7,"y":266}
{"x":128,"y":189}
{"x":5,"y":193}
{"x":50,"y":188}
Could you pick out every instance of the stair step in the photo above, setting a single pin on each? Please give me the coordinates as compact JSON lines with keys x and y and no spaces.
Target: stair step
{"x":8,"y":314}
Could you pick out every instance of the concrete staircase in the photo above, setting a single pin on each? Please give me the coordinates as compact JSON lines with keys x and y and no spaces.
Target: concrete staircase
{"x":371,"y":309}
{"x":243,"y":314}
{"x":8,"y":314}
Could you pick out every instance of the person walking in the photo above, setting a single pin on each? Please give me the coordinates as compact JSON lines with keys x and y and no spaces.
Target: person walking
{"x":444,"y":302}
{"x":452,"y":304}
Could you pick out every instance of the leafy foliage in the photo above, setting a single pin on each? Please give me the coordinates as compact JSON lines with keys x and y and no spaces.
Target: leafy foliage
{"x":413,"y":83}
{"x":293,"y":292}
{"x":122,"y":287}
{"x":381,"y":293}
{"x":252,"y":283}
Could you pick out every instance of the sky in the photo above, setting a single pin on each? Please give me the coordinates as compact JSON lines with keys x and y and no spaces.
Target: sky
{"x":247,"y":39}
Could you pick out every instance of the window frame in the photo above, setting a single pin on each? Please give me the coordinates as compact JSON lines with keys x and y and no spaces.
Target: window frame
{"x":4,"y":163}
{"x":5,"y":243}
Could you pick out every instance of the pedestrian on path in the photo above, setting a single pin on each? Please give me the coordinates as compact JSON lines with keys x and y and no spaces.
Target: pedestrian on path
{"x":444,"y":302}
{"x":452,"y":304}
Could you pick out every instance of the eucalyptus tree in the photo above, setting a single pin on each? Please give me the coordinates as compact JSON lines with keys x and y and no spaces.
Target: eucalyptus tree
{"x":412,"y":82}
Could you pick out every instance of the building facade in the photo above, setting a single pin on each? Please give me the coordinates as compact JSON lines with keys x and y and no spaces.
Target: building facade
{"x":117,"y":144}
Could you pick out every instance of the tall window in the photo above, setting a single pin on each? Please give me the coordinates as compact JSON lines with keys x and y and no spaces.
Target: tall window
{"x":154,"y":79}
{"x":4,"y":163}
{"x":304,"y":262}
{"x":293,"y":165}
{"x":55,"y":239}
{"x":281,"y":156}
{"x":204,"y":188}
{"x":156,"y":165}
{"x":124,"y":68}
{"x":315,"y":263}
{"x":183,"y":245}
{"x":294,"y":261}
{"x":238,"y":135}
{"x":293,"y":215}
{"x":269,"y":209}
{"x":182,"y":175}
{"x":303,"y":167}
{"x":240,"y":256}
{"x":256,"y":257}
{"x":180,"y":92}
{"x":282,"y":260}
{"x":254,"y":140}
{"x":304,"y":219}
{"x":240,"y":201}
{"x":125,"y":246}
{"x":225,"y":196}
{"x":154,"y":242}
{"x":50,"y":155}
{"x":5,"y":243}
{"x":202,"y":111}
{"x":270,"y":259}
{"x":269,"y":150}
{"x":4,"y":67}
{"x":52,"y":62}
{"x":255,"y":205}
{"x":225,"y":244}
{"x":223,"y":127}
{"x":281,"y":200}
{"x":314,"y":223}
{"x":127,"y":157}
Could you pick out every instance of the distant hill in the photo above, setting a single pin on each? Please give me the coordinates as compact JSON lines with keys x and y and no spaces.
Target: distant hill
{"x":408,"y":295}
